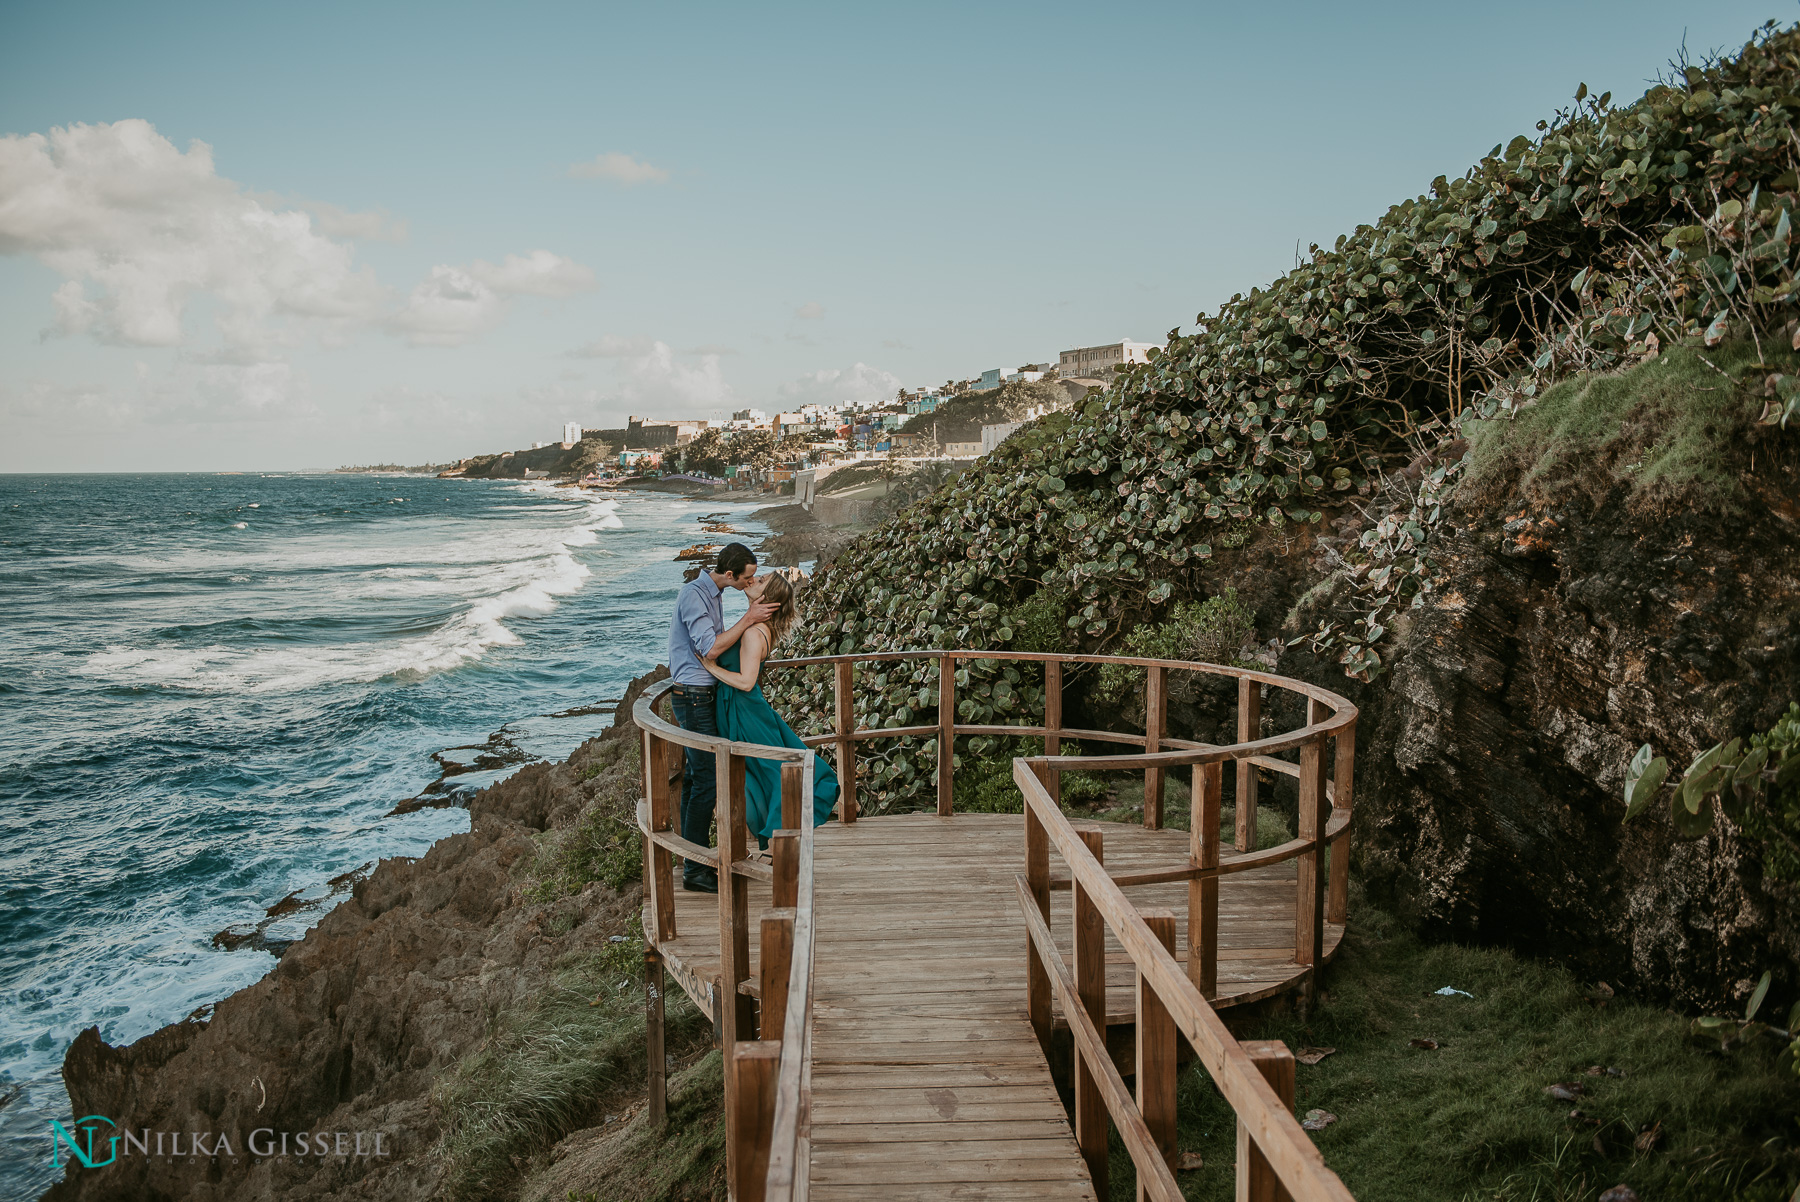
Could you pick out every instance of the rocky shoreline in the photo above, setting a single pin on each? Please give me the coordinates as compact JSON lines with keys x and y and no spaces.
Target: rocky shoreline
{"x":359,"y":1024}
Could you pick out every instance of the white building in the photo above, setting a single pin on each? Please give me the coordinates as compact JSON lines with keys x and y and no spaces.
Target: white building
{"x":755,"y":417}
{"x":1102,"y":362}
{"x":993,"y":436}
{"x":571,"y":432}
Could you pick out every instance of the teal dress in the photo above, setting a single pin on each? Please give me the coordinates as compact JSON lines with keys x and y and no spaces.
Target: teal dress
{"x":747,"y":717}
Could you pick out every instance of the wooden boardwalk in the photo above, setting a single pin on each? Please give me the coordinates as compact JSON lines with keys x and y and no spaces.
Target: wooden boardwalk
{"x":927,"y":1078}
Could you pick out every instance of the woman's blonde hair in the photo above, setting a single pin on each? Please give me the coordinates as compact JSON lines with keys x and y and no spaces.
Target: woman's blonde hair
{"x":779,"y":592}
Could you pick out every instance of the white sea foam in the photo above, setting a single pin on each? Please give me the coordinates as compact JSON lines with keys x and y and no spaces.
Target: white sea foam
{"x":500,"y":572}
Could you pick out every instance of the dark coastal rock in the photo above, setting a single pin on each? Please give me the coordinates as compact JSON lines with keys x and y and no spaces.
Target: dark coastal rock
{"x":1491,"y":757}
{"x":357,"y":1022}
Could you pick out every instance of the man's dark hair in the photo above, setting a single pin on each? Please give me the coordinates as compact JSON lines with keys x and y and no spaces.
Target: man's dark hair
{"x":734,"y":558}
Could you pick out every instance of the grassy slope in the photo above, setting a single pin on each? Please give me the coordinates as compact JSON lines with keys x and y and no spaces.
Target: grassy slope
{"x":1670,"y":429}
{"x":1471,"y":1119}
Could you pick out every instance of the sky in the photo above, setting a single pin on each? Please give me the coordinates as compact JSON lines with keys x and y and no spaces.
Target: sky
{"x":259,"y":237}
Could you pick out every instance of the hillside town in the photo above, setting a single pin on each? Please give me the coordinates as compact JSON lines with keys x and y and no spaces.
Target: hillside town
{"x":790,"y":451}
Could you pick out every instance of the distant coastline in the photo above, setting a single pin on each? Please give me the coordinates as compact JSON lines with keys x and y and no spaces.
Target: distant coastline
{"x":423,"y":469}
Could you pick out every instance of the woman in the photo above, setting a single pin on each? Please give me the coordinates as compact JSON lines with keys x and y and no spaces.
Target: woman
{"x":745,"y":715}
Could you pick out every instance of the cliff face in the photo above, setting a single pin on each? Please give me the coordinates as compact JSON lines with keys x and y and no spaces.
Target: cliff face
{"x":1492,"y":757}
{"x":360,"y":1019}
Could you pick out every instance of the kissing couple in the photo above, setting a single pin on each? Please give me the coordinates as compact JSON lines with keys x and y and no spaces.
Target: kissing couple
{"x":717,"y":693}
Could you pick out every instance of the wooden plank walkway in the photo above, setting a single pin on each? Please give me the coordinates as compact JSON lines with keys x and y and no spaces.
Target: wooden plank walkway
{"x":928,"y":1081}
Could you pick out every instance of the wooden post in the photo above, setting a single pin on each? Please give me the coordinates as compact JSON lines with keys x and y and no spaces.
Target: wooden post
{"x":784,"y":853}
{"x":747,"y":1131}
{"x":1249,"y":728}
{"x":1053,"y":720}
{"x":946,"y":734}
{"x":1156,"y":1045}
{"x":1256,"y":1181}
{"x":660,"y":867}
{"x":1156,"y":717}
{"x":1309,"y":901}
{"x":844,"y":694}
{"x":1203,"y":893}
{"x":792,"y":804}
{"x":736,"y":1017}
{"x":777,"y":959}
{"x":1090,"y":985}
{"x":653,"y":1026}
{"x":1343,"y":783}
{"x":1037,"y":879}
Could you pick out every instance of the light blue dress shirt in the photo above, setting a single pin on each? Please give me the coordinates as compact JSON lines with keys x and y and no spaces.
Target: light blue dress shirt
{"x":699,"y":620}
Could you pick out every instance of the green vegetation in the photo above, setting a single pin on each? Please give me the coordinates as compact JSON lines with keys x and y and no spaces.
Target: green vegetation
{"x":1669,"y":430}
{"x":684,"y":1162}
{"x":1611,"y":233}
{"x":960,"y":419}
{"x":1211,"y":632}
{"x":985,"y":786}
{"x":603,"y":844}
{"x":549,"y":1067}
{"x":1471,"y":1119}
{"x":1756,"y":786}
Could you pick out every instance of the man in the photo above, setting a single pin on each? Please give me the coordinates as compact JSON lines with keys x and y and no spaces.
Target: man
{"x":699,"y":630}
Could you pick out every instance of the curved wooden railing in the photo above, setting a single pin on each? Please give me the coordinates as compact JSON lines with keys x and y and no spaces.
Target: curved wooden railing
{"x":767,"y":1080}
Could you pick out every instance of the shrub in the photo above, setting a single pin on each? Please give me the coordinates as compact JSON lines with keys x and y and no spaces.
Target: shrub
{"x":1456,"y":303}
{"x":1211,"y":632}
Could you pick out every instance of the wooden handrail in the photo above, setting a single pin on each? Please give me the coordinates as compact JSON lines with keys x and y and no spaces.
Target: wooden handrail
{"x":786,"y":1129}
{"x":1091,"y":1047}
{"x":790,"y":1133}
{"x":767,"y":1115}
{"x":1290,"y":1153}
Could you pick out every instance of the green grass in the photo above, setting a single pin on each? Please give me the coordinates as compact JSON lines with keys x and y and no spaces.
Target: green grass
{"x":683,"y":1162}
{"x":603,"y":844}
{"x":547,"y":1068}
{"x":1470,"y":1121}
{"x":1669,"y":429}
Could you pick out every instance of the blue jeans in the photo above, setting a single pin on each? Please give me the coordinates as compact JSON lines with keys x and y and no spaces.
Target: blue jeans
{"x":699,"y":786}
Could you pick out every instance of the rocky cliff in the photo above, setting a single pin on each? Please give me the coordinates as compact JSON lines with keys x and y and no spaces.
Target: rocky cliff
{"x":1565,"y":632}
{"x":362,"y":1023}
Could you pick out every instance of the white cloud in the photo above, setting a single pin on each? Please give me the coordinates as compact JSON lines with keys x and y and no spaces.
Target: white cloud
{"x":831,"y":386}
{"x":138,"y":228}
{"x":613,"y":346}
{"x":656,"y":381}
{"x":453,"y":305}
{"x":448,"y":308}
{"x":376,"y":225}
{"x":810,"y":311}
{"x":620,"y":168}
{"x":141,"y":231}
{"x":539,"y":273}
{"x":188,"y":392}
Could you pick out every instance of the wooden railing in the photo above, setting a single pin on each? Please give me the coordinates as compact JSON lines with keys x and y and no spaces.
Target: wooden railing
{"x":767,"y":1080}
{"x":766,"y":1077}
{"x":1275,"y":1156}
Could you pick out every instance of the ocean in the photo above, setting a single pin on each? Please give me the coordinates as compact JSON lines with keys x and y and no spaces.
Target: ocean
{"x":215,"y":691}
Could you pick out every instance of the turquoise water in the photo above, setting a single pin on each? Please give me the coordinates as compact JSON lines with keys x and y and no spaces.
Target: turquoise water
{"x":215,"y":688}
